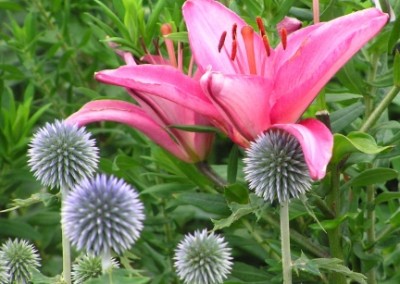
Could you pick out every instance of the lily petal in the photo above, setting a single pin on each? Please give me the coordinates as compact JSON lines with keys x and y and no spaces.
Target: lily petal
{"x":316,"y":141}
{"x":206,"y":21}
{"x":163,"y":81}
{"x":167,"y":113}
{"x":321,"y":51}
{"x":243,"y":102}
{"x":132,"y":115}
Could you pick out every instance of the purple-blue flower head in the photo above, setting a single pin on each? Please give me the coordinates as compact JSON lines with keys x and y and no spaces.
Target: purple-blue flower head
{"x":62,"y":154}
{"x":102,"y":214}
{"x":203,"y":258}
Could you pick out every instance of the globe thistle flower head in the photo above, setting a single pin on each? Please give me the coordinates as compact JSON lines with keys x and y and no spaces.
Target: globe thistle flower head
{"x":203,"y":258}
{"x":87,"y":267}
{"x":4,"y":275}
{"x":21,"y":258}
{"x":102,"y":214}
{"x":62,"y":154}
{"x":275,"y":166}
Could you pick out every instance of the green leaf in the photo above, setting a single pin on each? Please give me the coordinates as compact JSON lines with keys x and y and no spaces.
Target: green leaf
{"x":372,"y":176}
{"x":33,"y":199}
{"x":110,"y":14}
{"x":248,"y":273}
{"x":342,"y":118}
{"x":309,"y":210}
{"x":238,"y":211}
{"x":194,"y":128}
{"x":355,"y":142}
{"x":394,"y":35}
{"x":395,"y":219}
{"x":9,"y":5}
{"x":387,"y":196}
{"x":350,"y":77}
{"x":153,"y":19}
{"x":39,"y":278}
{"x":340,"y":97}
{"x":330,"y":223}
{"x":256,"y":206}
{"x":237,"y":193}
{"x":208,"y":202}
{"x":167,"y":188}
{"x":317,"y":265}
{"x":178,"y":36}
{"x":284,"y":8}
{"x":17,"y":228}
{"x":233,"y":164}
{"x":120,"y":276}
{"x":396,"y":69}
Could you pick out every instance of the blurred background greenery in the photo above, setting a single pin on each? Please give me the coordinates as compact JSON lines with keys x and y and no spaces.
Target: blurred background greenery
{"x":49,"y":51}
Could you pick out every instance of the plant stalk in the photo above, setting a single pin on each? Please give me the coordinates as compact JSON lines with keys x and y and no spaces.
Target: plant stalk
{"x":334,"y":235}
{"x":66,"y":246}
{"x":381,"y":107}
{"x":285,"y":243}
{"x":371,"y":236}
{"x":205,"y":168}
{"x":371,"y":116}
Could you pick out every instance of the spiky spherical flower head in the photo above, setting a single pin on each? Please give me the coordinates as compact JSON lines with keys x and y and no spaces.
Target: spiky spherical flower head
{"x":88,"y":266}
{"x":203,"y":258}
{"x":102,"y":214}
{"x":4,"y":275}
{"x":21,"y":258}
{"x":275,"y":166}
{"x":62,"y":154}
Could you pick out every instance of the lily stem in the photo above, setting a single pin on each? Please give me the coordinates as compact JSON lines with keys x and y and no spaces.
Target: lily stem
{"x":371,"y":236}
{"x":369,"y":107}
{"x":205,"y":168}
{"x":381,"y":107}
{"x":285,"y":243}
{"x":66,"y":246}
{"x":334,"y":235}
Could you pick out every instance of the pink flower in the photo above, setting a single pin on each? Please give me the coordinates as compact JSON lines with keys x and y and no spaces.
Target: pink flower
{"x":255,"y":87}
{"x":154,"y":115}
{"x":248,"y":86}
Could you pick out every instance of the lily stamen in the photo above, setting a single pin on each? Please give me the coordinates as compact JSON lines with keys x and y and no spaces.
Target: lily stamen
{"x":180,"y":57}
{"x":234,"y":42}
{"x":266,"y":45}
{"x":283,"y":35}
{"x":166,"y":29}
{"x":261,"y":26}
{"x":248,"y":38}
{"x":221,"y":41}
{"x":233,"y":50}
{"x":190,"y":68}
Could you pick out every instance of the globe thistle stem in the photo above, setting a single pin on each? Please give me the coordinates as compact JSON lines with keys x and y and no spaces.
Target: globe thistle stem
{"x":89,"y":266}
{"x":285,"y":243}
{"x":66,"y":245}
{"x":106,"y":261}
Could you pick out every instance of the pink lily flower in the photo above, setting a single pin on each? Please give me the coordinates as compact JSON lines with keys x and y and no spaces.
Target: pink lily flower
{"x":256,"y":87}
{"x":153,"y":115}
{"x":250,"y":87}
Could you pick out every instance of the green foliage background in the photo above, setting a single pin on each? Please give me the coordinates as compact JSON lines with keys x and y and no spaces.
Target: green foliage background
{"x":49,"y":51}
